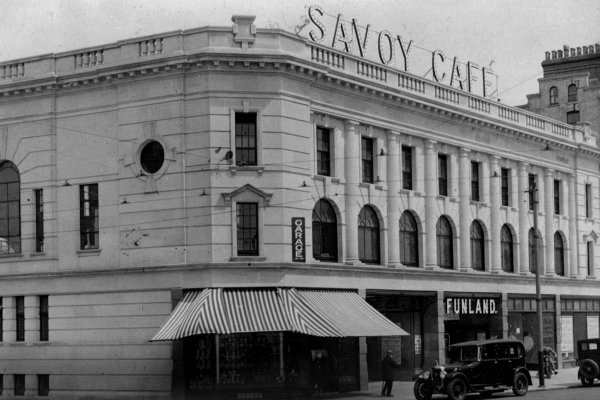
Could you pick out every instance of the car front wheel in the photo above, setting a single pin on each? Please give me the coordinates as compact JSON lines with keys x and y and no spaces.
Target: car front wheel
{"x":423,"y":389}
{"x":520,"y":384}
{"x":457,"y":389}
{"x":587,"y":381}
{"x":588,"y":369}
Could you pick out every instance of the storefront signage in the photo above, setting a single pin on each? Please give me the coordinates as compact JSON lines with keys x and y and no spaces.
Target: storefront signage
{"x":298,"y":239}
{"x":393,"y":50}
{"x":470,"y":305}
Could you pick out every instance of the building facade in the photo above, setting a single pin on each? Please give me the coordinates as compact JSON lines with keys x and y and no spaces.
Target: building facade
{"x":139,"y":175}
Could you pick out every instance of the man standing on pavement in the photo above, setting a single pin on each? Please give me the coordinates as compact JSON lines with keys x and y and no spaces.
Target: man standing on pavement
{"x":387,"y":373}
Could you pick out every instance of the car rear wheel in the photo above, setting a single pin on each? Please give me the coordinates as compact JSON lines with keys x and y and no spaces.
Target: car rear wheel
{"x":520,"y":384}
{"x":588,"y":369}
{"x":423,"y":389}
{"x":586,"y":381}
{"x":457,"y":389}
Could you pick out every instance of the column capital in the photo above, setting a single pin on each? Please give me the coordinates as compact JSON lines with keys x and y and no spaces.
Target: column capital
{"x":495,"y":159}
{"x":429,"y":143}
{"x":548,"y":171}
{"x":463,"y":151}
{"x":349,"y":123}
{"x":523,"y":166}
{"x":392,"y":133}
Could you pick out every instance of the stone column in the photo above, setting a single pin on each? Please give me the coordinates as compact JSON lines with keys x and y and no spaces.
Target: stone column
{"x":363,"y":373}
{"x":464,"y":180}
{"x":9,"y":320}
{"x":523,"y":219}
{"x":419,"y":171}
{"x":32,"y":319}
{"x":31,"y":385}
{"x":338,"y":154}
{"x":495,"y":203}
{"x":431,"y":193}
{"x":573,"y":266}
{"x":352,"y":172}
{"x":393,"y":184}
{"x":549,"y":221}
{"x":382,"y":160}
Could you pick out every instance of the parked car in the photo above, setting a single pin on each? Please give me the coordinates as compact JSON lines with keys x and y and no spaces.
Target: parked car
{"x":484,"y":366}
{"x":588,"y":357}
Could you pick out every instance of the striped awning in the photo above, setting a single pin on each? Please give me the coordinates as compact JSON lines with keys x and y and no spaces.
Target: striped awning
{"x":326,"y":313}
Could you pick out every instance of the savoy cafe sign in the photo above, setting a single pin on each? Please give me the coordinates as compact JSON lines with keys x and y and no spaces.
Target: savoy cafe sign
{"x":392,"y":50}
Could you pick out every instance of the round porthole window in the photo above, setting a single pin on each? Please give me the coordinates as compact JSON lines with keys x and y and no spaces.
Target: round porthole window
{"x":152,"y":157}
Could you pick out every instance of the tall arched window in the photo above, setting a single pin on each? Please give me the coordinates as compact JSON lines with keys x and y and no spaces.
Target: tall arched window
{"x":368,"y":236}
{"x":10,"y":209}
{"x":532,"y":250}
{"x":324,"y":228}
{"x":445,"y":251}
{"x":477,"y":250}
{"x":409,"y":240}
{"x":553,"y":95}
{"x":559,"y":255}
{"x":506,"y":244}
{"x":572,"y":92}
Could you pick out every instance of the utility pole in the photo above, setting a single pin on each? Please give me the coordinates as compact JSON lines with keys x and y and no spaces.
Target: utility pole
{"x":538,"y":291}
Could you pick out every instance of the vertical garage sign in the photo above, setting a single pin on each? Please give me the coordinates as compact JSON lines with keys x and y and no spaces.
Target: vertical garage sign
{"x":298,"y":243}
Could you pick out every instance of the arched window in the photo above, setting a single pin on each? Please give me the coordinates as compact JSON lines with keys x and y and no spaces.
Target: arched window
{"x":506,"y":240}
{"x":324,"y":228}
{"x":409,"y":240}
{"x":368,"y":236}
{"x":10,"y":209}
{"x":559,"y":255}
{"x":553,"y":95}
{"x":477,"y":251}
{"x":532,"y":250}
{"x":572,"y":92}
{"x":445,"y":252}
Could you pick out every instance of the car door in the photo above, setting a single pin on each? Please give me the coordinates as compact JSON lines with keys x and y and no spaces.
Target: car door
{"x":488,"y":366}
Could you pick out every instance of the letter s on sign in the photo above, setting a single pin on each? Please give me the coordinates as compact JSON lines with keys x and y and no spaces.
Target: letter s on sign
{"x":311,"y":14}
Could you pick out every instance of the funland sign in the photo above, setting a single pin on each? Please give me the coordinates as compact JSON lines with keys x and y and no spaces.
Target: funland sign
{"x":393,"y":51}
{"x":471,"y":305}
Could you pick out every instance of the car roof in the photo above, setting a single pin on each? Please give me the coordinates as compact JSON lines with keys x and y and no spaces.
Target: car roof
{"x":486,"y":341}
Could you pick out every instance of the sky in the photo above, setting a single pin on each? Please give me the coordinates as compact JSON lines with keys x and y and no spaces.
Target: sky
{"x":513,"y":35}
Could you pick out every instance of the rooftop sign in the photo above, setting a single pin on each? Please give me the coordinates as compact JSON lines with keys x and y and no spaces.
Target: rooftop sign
{"x":392,"y":50}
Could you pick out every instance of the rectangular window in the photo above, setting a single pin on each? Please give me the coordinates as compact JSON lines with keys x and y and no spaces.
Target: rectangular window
{"x":504,"y":176}
{"x":367,"y":159}
{"x":43,"y":318}
{"x":443,"y":174}
{"x":588,"y":200}
{"x":247,"y":229}
{"x":532,"y":190}
{"x":557,"y":197}
{"x":39,"y":220}
{"x":88,"y":216}
{"x":407,"y":168}
{"x":20,"y":317}
{"x":323,"y":151}
{"x":590,"y":258}
{"x":474,"y":181}
{"x":43,"y":385}
{"x":19,"y":385}
{"x":245,"y":138}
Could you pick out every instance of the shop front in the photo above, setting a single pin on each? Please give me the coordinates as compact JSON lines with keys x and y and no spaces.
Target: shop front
{"x":579,"y":319}
{"x":262,"y":343}
{"x":472,"y":317}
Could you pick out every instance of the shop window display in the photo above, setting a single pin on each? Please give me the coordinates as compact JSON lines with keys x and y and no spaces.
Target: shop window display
{"x":251,"y":358}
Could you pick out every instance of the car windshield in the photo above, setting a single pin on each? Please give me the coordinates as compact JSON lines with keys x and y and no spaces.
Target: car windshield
{"x":464,"y":353}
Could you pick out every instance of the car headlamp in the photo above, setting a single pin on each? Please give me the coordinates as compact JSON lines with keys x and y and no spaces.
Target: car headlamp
{"x":426,"y":375}
{"x":443,"y":373}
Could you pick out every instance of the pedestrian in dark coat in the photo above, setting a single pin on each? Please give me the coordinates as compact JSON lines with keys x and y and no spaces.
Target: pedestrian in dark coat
{"x":387,"y":373}
{"x":319,"y":371}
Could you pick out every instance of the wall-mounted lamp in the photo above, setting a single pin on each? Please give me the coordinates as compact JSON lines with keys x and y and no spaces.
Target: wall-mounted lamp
{"x":125,"y":201}
{"x":66,"y":183}
{"x":304,"y":184}
{"x":382,"y":152}
{"x":203,"y":192}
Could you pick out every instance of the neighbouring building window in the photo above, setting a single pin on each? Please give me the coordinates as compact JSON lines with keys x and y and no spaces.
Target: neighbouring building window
{"x":445,"y":251}
{"x":477,"y":249}
{"x":10,"y":209}
{"x":245,"y":139}
{"x":506,"y":239}
{"x":44,"y":318}
{"x":89,"y":230}
{"x":534,"y":251}
{"x":443,"y":174}
{"x":556,"y":196}
{"x":504,"y":186}
{"x":474,"y":181}
{"x":367,"y":159}
{"x":20,"y":317}
{"x":573,"y":117}
{"x":43,"y":385}
{"x":409,"y":240}
{"x":19,"y":389}
{"x":572,"y":92}
{"x":588,"y":200}
{"x":590,"y":258}
{"x":553,"y":95}
{"x":407,"y":168}
{"x":559,"y":255}
{"x":368,"y":236}
{"x":247,"y":229}
{"x":324,"y":228}
{"x":323,"y":151}
{"x":39,"y":220}
{"x":532,"y":190}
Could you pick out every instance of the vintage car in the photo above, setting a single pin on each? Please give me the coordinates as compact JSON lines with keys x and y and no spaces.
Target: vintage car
{"x":588,"y":357}
{"x":483,"y":366}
